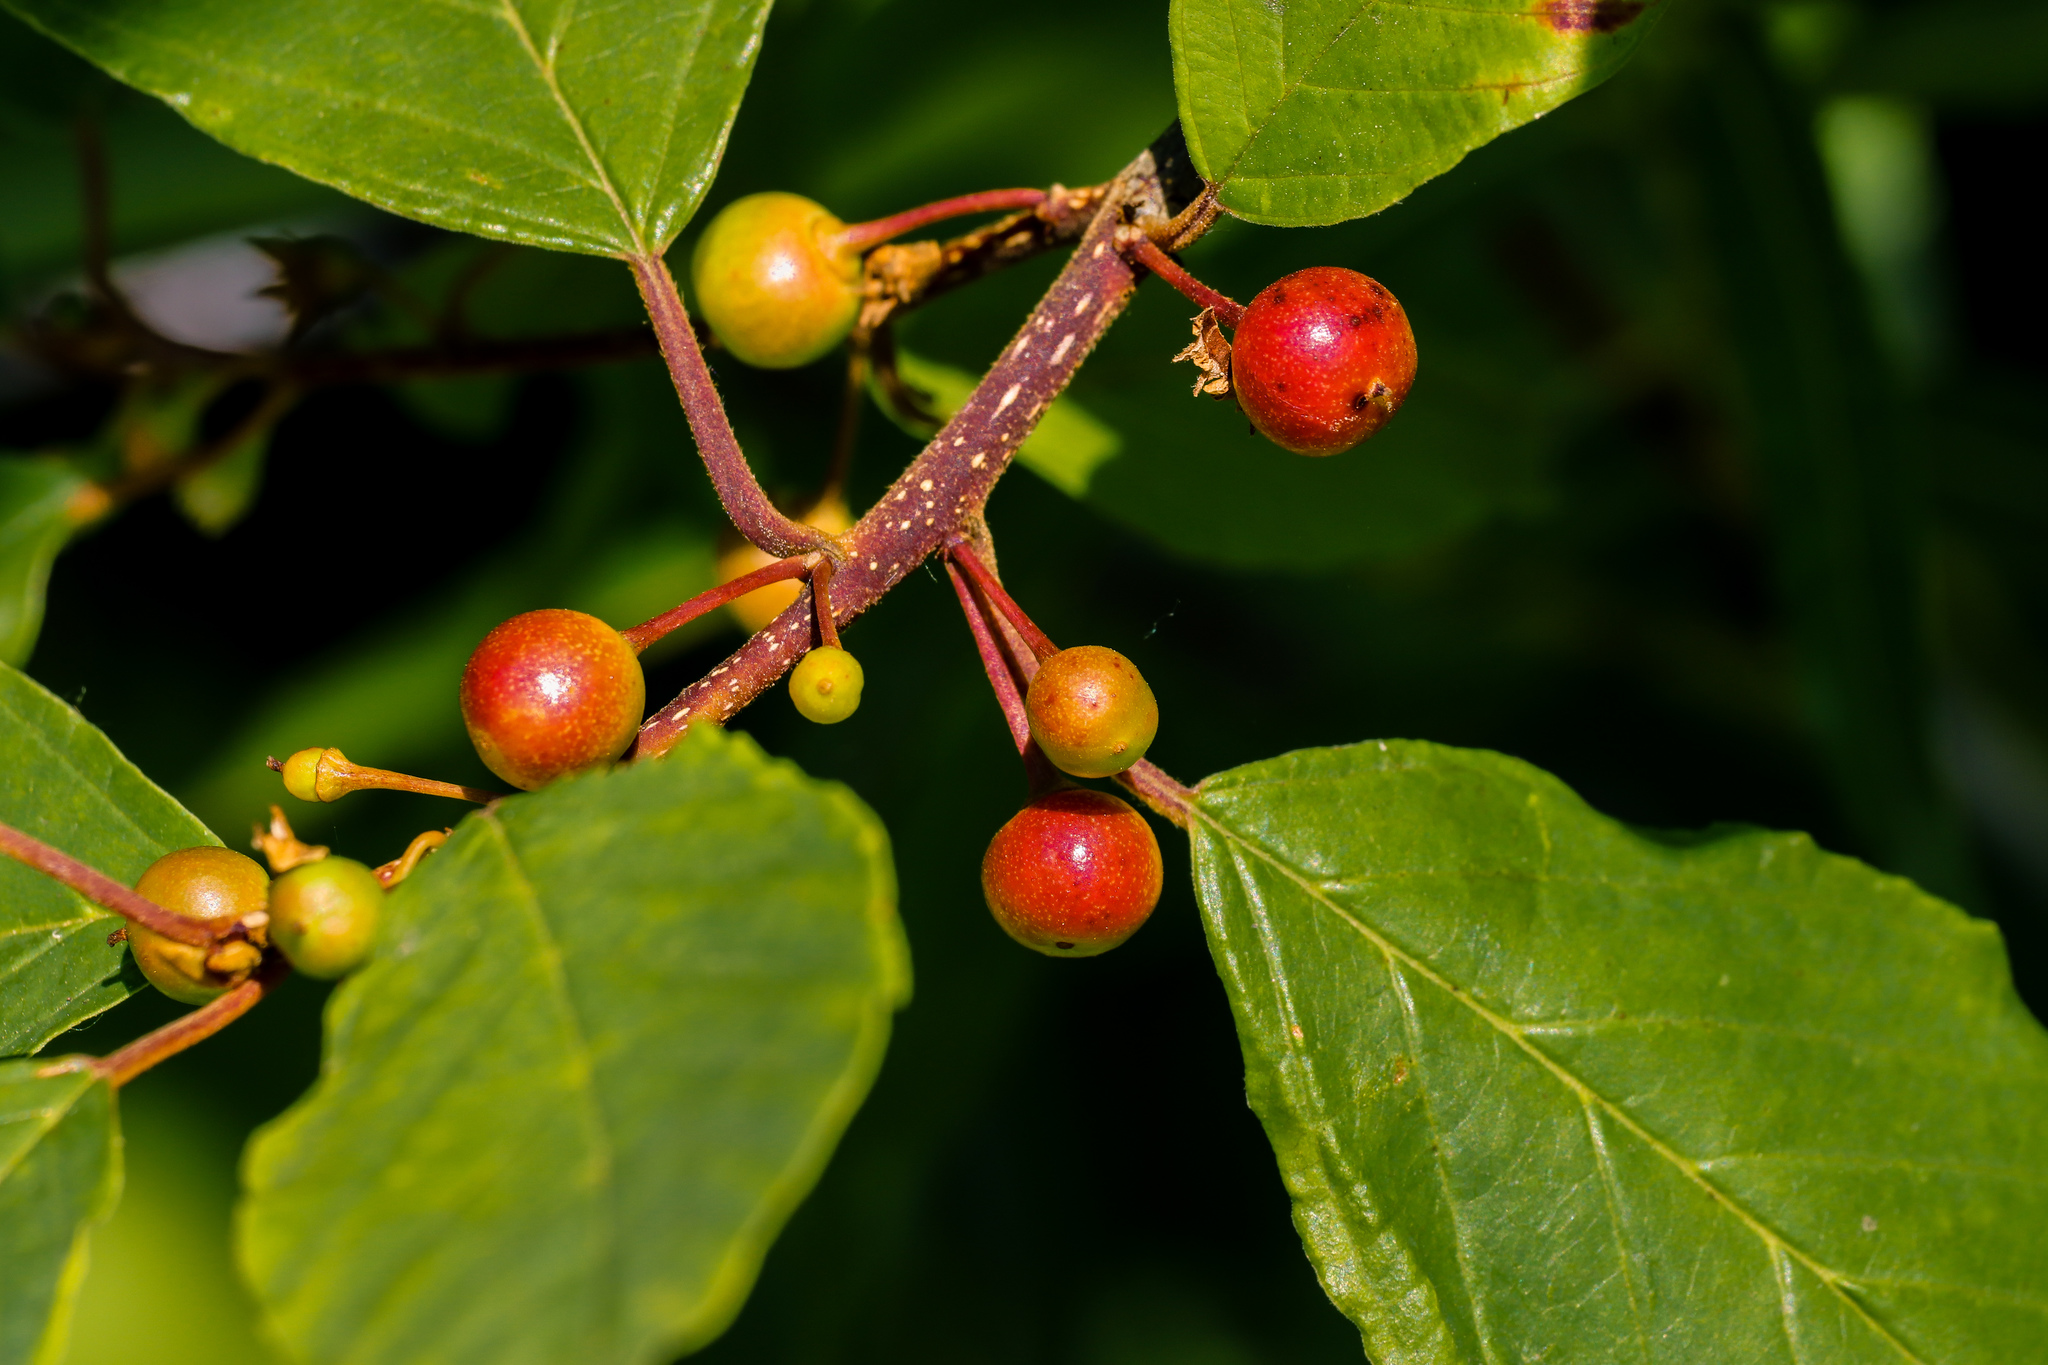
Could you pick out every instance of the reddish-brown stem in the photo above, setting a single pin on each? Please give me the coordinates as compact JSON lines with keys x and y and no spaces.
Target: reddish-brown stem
{"x":758,"y":519}
{"x":680,"y":615}
{"x":1146,"y":252}
{"x":123,"y":1066}
{"x":861,"y":236}
{"x":99,"y":888}
{"x":947,"y":486}
{"x":821,"y":604}
{"x":1001,"y":678}
{"x":1041,"y":644}
{"x":1150,"y":784}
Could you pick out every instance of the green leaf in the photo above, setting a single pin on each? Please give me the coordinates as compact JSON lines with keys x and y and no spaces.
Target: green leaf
{"x":1318,"y":111}
{"x":593,"y":129}
{"x":60,"y":1174}
{"x":610,"y":1035}
{"x":36,"y":501}
{"x":1065,"y":448}
{"x":1547,"y":1088}
{"x":65,"y":783}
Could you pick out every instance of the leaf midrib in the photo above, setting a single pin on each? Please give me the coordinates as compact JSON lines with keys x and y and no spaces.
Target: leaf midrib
{"x":1774,"y":1242}
{"x":546,"y":71}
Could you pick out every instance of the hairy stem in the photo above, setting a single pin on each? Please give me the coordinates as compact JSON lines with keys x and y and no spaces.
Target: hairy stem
{"x":860,"y":236}
{"x":757,"y":518}
{"x":100,"y":889}
{"x":946,"y":487}
{"x":123,"y":1066}
{"x":1150,"y":784}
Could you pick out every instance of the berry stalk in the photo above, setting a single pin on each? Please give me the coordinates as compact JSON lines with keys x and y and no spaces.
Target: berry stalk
{"x":1146,"y":252}
{"x":861,"y":236}
{"x":758,"y":519}
{"x":1001,"y":677}
{"x":1041,"y":644}
{"x":680,"y":615}
{"x":124,"y":1065}
{"x":100,"y":889}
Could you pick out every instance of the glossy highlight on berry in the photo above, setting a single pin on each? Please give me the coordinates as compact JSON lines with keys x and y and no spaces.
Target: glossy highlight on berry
{"x":1073,"y":874}
{"x":1321,"y":360}
{"x":775,"y":279}
{"x":216,"y":886}
{"x":551,"y":692}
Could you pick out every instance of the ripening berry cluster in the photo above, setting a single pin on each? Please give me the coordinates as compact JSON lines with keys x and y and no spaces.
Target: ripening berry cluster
{"x":321,"y":915}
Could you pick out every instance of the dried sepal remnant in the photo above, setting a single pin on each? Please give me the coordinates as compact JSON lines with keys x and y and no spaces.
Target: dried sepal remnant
{"x":1209,"y":353}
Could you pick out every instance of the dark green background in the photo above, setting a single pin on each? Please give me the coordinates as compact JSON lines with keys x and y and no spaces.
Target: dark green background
{"x":1765,"y":563}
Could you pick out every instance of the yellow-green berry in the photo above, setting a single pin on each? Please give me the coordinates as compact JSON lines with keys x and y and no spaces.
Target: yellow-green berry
{"x":825,"y":685}
{"x":323,"y":915}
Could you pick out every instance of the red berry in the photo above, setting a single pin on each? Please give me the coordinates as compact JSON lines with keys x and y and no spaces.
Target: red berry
{"x":551,"y":692}
{"x":1321,"y":360}
{"x":1073,"y":874}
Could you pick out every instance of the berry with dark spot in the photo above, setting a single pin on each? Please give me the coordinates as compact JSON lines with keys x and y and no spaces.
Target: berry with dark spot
{"x":216,"y":886}
{"x":1091,"y":711}
{"x":1321,"y":359}
{"x":1073,"y":874}
{"x":775,"y":279}
{"x":323,"y":915}
{"x":551,"y":692}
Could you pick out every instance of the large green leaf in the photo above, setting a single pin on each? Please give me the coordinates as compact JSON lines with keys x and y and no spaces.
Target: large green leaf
{"x":60,"y":1173}
{"x":36,"y":497}
{"x":1317,"y":111}
{"x":611,"y":1034}
{"x":65,"y":783}
{"x":1547,"y":1088}
{"x":592,"y":129}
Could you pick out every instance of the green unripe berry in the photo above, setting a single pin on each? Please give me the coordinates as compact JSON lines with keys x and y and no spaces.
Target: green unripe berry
{"x":825,"y":685}
{"x":323,"y":915}
{"x":214,"y":885}
{"x":1091,"y":711}
{"x":773,"y":279}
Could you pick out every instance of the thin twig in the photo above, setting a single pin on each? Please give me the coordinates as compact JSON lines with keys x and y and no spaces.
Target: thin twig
{"x":119,"y":1068}
{"x":758,"y":519}
{"x":100,"y":889}
{"x":852,"y":403}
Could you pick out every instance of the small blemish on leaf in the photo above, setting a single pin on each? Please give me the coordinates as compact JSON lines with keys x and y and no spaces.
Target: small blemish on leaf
{"x":1869,"y":1223}
{"x":1590,"y":16}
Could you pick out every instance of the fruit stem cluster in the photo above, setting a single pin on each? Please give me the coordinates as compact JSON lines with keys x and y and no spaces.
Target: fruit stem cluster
{"x":943,"y":491}
{"x":1003,"y":671}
